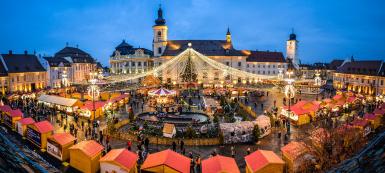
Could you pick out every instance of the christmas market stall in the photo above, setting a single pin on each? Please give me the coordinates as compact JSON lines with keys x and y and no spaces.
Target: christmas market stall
{"x":302,"y":112}
{"x":264,"y":161}
{"x":117,"y":101}
{"x":294,"y":153}
{"x":11,"y":117}
{"x":38,"y":133}
{"x":219,"y":163}
{"x":64,"y":104}
{"x":240,"y":132}
{"x":87,"y":110}
{"x":374,"y":119}
{"x":58,"y":145}
{"x":85,"y":156}
{"x":169,"y":130}
{"x":4,"y":109}
{"x":166,"y":161}
{"x":22,"y":125}
{"x":119,"y":161}
{"x":363,"y":125}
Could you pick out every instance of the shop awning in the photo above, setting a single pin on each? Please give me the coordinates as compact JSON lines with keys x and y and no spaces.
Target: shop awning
{"x":122,"y":157}
{"x":62,"y":138}
{"x":57,"y":100}
{"x":44,"y":126}
{"x":89,"y":148}
{"x":262,"y":158}
{"x":26,"y":121}
{"x":167,"y":161}
{"x":219,"y":164}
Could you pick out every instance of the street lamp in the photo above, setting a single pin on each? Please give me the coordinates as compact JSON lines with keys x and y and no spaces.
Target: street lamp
{"x":289,"y":93}
{"x":93,"y":90}
{"x":65,"y":82}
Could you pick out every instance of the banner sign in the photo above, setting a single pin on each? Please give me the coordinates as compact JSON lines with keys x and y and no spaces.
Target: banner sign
{"x":34,"y":136}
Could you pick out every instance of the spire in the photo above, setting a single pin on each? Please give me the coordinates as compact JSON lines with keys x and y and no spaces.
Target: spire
{"x":292,"y":35}
{"x":160,"y":20}
{"x":228,"y":31}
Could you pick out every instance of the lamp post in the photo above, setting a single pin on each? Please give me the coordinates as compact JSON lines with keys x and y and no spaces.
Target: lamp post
{"x":65,"y":82}
{"x":93,"y":90}
{"x":289,"y":93}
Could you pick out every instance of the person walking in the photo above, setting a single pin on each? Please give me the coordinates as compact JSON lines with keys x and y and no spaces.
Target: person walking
{"x":232,"y":152}
{"x":181,"y":145}
{"x":174,"y":146}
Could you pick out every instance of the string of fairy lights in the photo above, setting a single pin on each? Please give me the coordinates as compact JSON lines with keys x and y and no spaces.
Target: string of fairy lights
{"x":201,"y":63}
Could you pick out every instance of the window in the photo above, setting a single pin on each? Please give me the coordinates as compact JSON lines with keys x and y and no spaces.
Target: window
{"x":132,"y":63}
{"x":139,"y":63}
{"x":382,"y":82}
{"x":273,"y":66}
{"x":253,"y":65}
{"x":263,"y":66}
{"x":239,"y":64}
{"x":248,"y":65}
{"x":228,"y":63}
{"x":159,"y":50}
{"x":279,"y":66}
{"x":159,"y":33}
{"x":268,"y":66}
{"x":144,"y":63}
{"x":259,"y":72}
{"x":263,"y":72}
{"x":259,"y":66}
{"x":268,"y":72}
{"x":273,"y":72}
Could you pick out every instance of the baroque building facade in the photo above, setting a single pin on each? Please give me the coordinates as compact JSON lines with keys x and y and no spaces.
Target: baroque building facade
{"x":223,"y":51}
{"x":21,"y":73}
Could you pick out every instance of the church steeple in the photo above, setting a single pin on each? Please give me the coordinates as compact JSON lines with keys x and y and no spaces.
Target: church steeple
{"x":228,"y":35}
{"x":160,"y":20}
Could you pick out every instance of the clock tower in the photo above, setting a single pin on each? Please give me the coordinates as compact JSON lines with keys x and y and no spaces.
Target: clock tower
{"x":291,"y":48}
{"x":160,"y":34}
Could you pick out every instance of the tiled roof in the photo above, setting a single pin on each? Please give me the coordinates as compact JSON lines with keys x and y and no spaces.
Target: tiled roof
{"x":89,"y":148}
{"x":205,"y":47}
{"x":335,"y":64}
{"x":77,"y":55}
{"x":219,"y":164}
{"x":127,"y":49}
{"x":168,"y":128}
{"x":19,"y":63}
{"x":123,"y":157}
{"x":56,"y":61}
{"x":261,"y":158}
{"x":44,"y":126}
{"x":264,"y":56}
{"x":373,"y":68}
{"x":63,"y":138}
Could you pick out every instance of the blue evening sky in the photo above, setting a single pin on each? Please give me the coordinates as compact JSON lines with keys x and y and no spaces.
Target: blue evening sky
{"x":326,"y":29}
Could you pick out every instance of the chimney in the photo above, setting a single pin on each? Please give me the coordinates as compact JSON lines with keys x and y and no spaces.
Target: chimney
{"x":25,"y":52}
{"x":10,"y":52}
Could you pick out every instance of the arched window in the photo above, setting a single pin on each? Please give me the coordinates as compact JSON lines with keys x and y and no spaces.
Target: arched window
{"x":159,"y":33}
{"x":159,"y":50}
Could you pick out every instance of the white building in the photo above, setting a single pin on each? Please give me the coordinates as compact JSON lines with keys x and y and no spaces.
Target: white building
{"x":70,"y":63}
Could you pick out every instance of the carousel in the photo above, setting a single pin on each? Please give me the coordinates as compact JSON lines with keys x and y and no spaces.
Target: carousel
{"x":162,"y":96}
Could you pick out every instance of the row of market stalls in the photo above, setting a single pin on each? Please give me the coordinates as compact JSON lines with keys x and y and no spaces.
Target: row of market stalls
{"x":85,"y":109}
{"x":304,"y":111}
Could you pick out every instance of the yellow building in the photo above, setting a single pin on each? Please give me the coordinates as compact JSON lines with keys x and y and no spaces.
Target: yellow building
{"x":38,"y":133}
{"x":85,"y":155}
{"x":365,"y":77}
{"x":264,"y":161}
{"x":21,"y":73}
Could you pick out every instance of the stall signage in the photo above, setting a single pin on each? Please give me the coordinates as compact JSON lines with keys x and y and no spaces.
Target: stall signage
{"x":34,"y":136}
{"x":20,"y":129}
{"x":54,"y":149}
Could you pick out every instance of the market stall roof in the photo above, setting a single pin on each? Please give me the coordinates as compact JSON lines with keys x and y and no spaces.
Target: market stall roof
{"x":168,"y":128}
{"x":319,"y":135}
{"x":89,"y":148}
{"x":122,"y":157}
{"x":351,"y":99}
{"x":5,"y":108}
{"x":118,"y":98}
{"x":261,"y":158}
{"x":58,"y":100}
{"x":168,"y":158}
{"x":16,"y":113}
{"x":63,"y":138}
{"x":89,"y":105}
{"x":379,"y":111}
{"x":44,"y":126}
{"x":162,"y":92}
{"x":26,"y":121}
{"x":294,"y":149}
{"x":219,"y":164}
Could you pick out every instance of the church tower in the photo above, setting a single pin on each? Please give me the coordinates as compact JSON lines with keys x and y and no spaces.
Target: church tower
{"x":160,"y":34}
{"x":228,"y":36}
{"x":291,"y":48}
